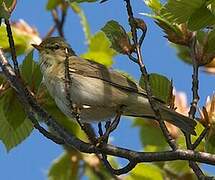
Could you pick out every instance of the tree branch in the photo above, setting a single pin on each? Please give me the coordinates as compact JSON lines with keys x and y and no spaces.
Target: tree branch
{"x":145,"y":75}
{"x":72,"y":141}
{"x":12,"y":47}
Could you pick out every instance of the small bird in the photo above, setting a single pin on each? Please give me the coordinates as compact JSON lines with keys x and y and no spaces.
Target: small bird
{"x":98,"y":92}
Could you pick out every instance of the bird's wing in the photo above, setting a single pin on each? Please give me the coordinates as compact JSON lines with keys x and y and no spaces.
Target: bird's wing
{"x":95,"y":70}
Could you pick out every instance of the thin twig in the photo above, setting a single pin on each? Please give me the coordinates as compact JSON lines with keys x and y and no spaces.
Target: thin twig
{"x":59,"y":22}
{"x":200,"y":138}
{"x":145,"y":75}
{"x":50,"y":31}
{"x":12,"y":47}
{"x":199,"y":173}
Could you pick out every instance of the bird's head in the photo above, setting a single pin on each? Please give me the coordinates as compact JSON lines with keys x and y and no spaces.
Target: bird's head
{"x":54,"y":50}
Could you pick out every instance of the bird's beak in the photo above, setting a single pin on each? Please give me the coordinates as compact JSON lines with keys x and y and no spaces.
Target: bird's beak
{"x":38,"y":47}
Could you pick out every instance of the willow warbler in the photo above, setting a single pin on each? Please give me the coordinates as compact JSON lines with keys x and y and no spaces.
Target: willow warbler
{"x":97,"y":91}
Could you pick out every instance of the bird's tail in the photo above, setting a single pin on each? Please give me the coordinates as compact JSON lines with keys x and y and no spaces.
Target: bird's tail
{"x":186,"y":124}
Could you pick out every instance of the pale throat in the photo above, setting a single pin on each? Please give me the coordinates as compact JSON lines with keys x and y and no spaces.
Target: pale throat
{"x":49,"y":60}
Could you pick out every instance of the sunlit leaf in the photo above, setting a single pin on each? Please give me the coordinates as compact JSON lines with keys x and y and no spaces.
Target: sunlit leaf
{"x":177,"y":167}
{"x":145,"y":172}
{"x":155,"y":5}
{"x":63,"y":168}
{"x":198,"y":129}
{"x":173,"y":32}
{"x":30,"y":72}
{"x":23,"y":35}
{"x":149,"y":133}
{"x":99,"y":50}
{"x":86,"y":28}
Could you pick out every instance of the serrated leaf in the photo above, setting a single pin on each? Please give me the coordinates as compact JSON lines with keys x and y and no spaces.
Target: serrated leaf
{"x":99,"y":50}
{"x":160,"y":85}
{"x":83,"y":19}
{"x":61,"y":168}
{"x":12,"y":137}
{"x":155,"y":5}
{"x":181,"y":10}
{"x":30,"y":72}
{"x":12,"y":109}
{"x":172,"y":30}
{"x":149,"y":133}
{"x":201,"y":18}
{"x":145,"y":172}
{"x":118,"y":37}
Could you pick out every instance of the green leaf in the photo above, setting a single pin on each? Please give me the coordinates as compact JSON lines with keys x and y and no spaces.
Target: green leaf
{"x":8,"y":3}
{"x":211,"y":42}
{"x":160,"y":85}
{"x":172,"y":30}
{"x":183,"y":53}
{"x":86,"y":28}
{"x":99,"y":50}
{"x":149,"y":133}
{"x":51,"y":4}
{"x":178,"y":168}
{"x":210,"y":140}
{"x":4,"y":13}
{"x":61,"y":168}
{"x":12,"y":109}
{"x":12,"y":137}
{"x":155,"y":5}
{"x":30,"y":72}
{"x":27,"y":68}
{"x":198,"y":129}
{"x":201,"y":18}
{"x":118,"y":37}
{"x":181,"y":10}
{"x":145,"y":172}
{"x":22,"y":39}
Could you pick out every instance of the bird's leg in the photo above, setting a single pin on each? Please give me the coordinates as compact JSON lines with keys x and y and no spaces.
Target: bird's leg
{"x":110,"y":127}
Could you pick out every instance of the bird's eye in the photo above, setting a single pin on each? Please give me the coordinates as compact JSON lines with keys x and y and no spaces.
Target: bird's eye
{"x":56,"y":46}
